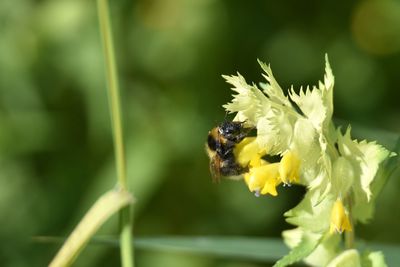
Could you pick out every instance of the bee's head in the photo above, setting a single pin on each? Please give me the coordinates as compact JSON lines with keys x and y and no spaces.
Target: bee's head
{"x":230,"y":128}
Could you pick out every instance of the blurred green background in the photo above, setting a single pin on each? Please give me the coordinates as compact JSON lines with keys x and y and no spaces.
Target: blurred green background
{"x":56,"y":154}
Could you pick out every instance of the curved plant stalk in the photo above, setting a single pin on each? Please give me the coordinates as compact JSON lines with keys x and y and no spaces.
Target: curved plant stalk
{"x":100,"y":212}
{"x":115,"y":110}
{"x":115,"y":200}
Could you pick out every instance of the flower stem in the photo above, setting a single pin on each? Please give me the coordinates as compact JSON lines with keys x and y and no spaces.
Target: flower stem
{"x":349,"y":236}
{"x":126,"y":215}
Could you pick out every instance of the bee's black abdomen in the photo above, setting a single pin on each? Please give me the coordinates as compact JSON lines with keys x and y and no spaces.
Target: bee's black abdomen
{"x":211,"y":142}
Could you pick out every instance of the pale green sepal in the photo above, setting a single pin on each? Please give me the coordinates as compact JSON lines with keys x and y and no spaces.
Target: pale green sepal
{"x":292,"y":237}
{"x":342,"y":176}
{"x":363,"y":210}
{"x":305,"y":145}
{"x":322,"y":182}
{"x":312,"y":213}
{"x":374,"y":154}
{"x":317,"y":103}
{"x":321,"y":185}
{"x":348,"y":258}
{"x":311,"y":104}
{"x":249,"y":102}
{"x":275,"y":131}
{"x":327,"y":92}
{"x":365,"y":158}
{"x":329,"y":79}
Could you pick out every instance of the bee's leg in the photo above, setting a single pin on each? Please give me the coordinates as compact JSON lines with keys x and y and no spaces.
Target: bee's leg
{"x":226,"y":150}
{"x":240,"y":137}
{"x":243,"y":134}
{"x":229,"y":167}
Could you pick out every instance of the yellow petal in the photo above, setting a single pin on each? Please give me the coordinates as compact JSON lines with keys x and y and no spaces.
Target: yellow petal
{"x":247,"y":150}
{"x":270,"y":187}
{"x":289,"y":168}
{"x":263,"y":178}
{"x":257,"y":161}
{"x":339,"y":218}
{"x":247,"y":177}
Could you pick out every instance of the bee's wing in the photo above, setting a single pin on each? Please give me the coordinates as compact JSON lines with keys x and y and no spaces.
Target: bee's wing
{"x":215,"y":169}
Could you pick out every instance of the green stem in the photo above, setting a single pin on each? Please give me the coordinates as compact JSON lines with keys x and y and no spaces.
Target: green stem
{"x":126,"y":237}
{"x":126,"y":215}
{"x":349,"y":236}
{"x":113,"y":89}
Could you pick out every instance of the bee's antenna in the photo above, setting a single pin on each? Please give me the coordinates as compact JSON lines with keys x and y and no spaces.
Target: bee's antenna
{"x":226,"y":115}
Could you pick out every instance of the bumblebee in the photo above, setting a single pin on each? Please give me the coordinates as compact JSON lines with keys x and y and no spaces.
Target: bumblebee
{"x":221,"y":142}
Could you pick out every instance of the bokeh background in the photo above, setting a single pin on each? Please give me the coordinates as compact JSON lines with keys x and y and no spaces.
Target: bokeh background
{"x":56,"y":154}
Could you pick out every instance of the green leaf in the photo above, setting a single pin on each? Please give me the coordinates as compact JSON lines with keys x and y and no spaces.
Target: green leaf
{"x":100,"y":212}
{"x":262,"y":249}
{"x":307,"y":245}
{"x":272,"y":89}
{"x":250,"y":248}
{"x":325,"y":251}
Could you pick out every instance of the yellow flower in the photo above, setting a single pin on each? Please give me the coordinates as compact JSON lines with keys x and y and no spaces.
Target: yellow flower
{"x":263,"y":179}
{"x":339,"y":218}
{"x":247,"y":150}
{"x":289,"y":168}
